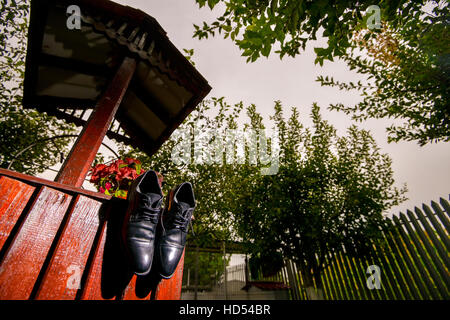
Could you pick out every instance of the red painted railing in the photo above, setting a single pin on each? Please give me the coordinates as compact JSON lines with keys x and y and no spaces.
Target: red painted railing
{"x":63,"y":242}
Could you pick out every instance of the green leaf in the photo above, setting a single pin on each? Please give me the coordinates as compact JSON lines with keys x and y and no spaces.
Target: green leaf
{"x":227,"y":28}
{"x":266,"y":50}
{"x":120,"y":194}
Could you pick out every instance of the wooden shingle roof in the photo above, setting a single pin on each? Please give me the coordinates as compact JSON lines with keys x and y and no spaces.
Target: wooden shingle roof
{"x":68,"y":70}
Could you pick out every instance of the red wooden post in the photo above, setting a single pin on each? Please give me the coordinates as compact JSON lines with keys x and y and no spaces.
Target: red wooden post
{"x":78,"y":163}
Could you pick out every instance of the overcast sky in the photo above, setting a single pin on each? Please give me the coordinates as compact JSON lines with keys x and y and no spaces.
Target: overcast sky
{"x":425,"y":170}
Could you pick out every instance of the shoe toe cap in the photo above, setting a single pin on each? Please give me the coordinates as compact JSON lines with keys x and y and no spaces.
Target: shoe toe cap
{"x":141,"y":258}
{"x":169,"y":258}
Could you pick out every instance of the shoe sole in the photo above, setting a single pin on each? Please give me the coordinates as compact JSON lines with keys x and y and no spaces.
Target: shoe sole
{"x":143,"y":273}
{"x":167,"y":277}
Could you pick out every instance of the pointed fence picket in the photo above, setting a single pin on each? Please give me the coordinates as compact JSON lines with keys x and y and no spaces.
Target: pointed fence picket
{"x":413,"y":256}
{"x":412,"y":253}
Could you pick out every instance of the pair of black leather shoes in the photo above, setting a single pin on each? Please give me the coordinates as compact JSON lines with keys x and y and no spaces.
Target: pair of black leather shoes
{"x":153,"y":232}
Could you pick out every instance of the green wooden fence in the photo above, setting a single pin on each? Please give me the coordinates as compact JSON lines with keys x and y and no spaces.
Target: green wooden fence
{"x":412,"y":256}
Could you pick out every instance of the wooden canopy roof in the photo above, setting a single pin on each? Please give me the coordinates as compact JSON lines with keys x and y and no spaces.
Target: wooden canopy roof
{"x":68,"y":70}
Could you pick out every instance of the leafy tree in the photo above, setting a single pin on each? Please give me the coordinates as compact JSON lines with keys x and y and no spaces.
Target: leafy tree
{"x":330,"y":191}
{"x":256,"y":26}
{"x":21,"y":128}
{"x":406,"y":59}
{"x":211,"y":217}
{"x":408,"y":76}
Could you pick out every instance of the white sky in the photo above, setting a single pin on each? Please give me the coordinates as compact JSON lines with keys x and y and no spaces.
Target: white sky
{"x":426,"y":170}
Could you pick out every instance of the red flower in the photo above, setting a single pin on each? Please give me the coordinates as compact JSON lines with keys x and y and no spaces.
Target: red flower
{"x":126,"y":173}
{"x":114,"y":167}
{"x":116,"y":177}
{"x":99,"y":167}
{"x":98,"y":172}
{"x":131,"y":161}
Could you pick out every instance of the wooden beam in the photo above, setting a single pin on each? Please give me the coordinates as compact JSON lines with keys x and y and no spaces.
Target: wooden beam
{"x":215,"y":246}
{"x":78,"y":163}
{"x":78,"y":66}
{"x":141,"y":139}
{"x":47,"y":103}
{"x":176,"y":121}
{"x":37,"y":182}
{"x":151,"y":102}
{"x":80,"y":122}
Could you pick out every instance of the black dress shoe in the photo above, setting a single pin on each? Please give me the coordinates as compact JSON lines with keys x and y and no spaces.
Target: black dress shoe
{"x":144,"y":209}
{"x":174,"y":226}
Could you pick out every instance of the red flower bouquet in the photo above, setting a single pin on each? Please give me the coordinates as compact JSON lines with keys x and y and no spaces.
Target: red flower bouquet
{"x":115,"y":179}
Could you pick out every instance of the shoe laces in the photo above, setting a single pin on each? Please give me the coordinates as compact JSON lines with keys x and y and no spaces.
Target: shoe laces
{"x":149,"y":209}
{"x":179,"y":220}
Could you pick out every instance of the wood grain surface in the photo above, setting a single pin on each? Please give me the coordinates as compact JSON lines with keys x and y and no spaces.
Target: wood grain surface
{"x":60,"y":244}
{"x":14,"y":196}
{"x":22,"y":263}
{"x":62,"y":278}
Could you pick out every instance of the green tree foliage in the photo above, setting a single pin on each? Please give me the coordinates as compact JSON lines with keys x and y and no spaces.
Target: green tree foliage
{"x":257,"y":26}
{"x":212,"y":217}
{"x":407,"y":67}
{"x":406,"y":60}
{"x":21,"y":128}
{"x":330,"y":191}
{"x":212,"y":222}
